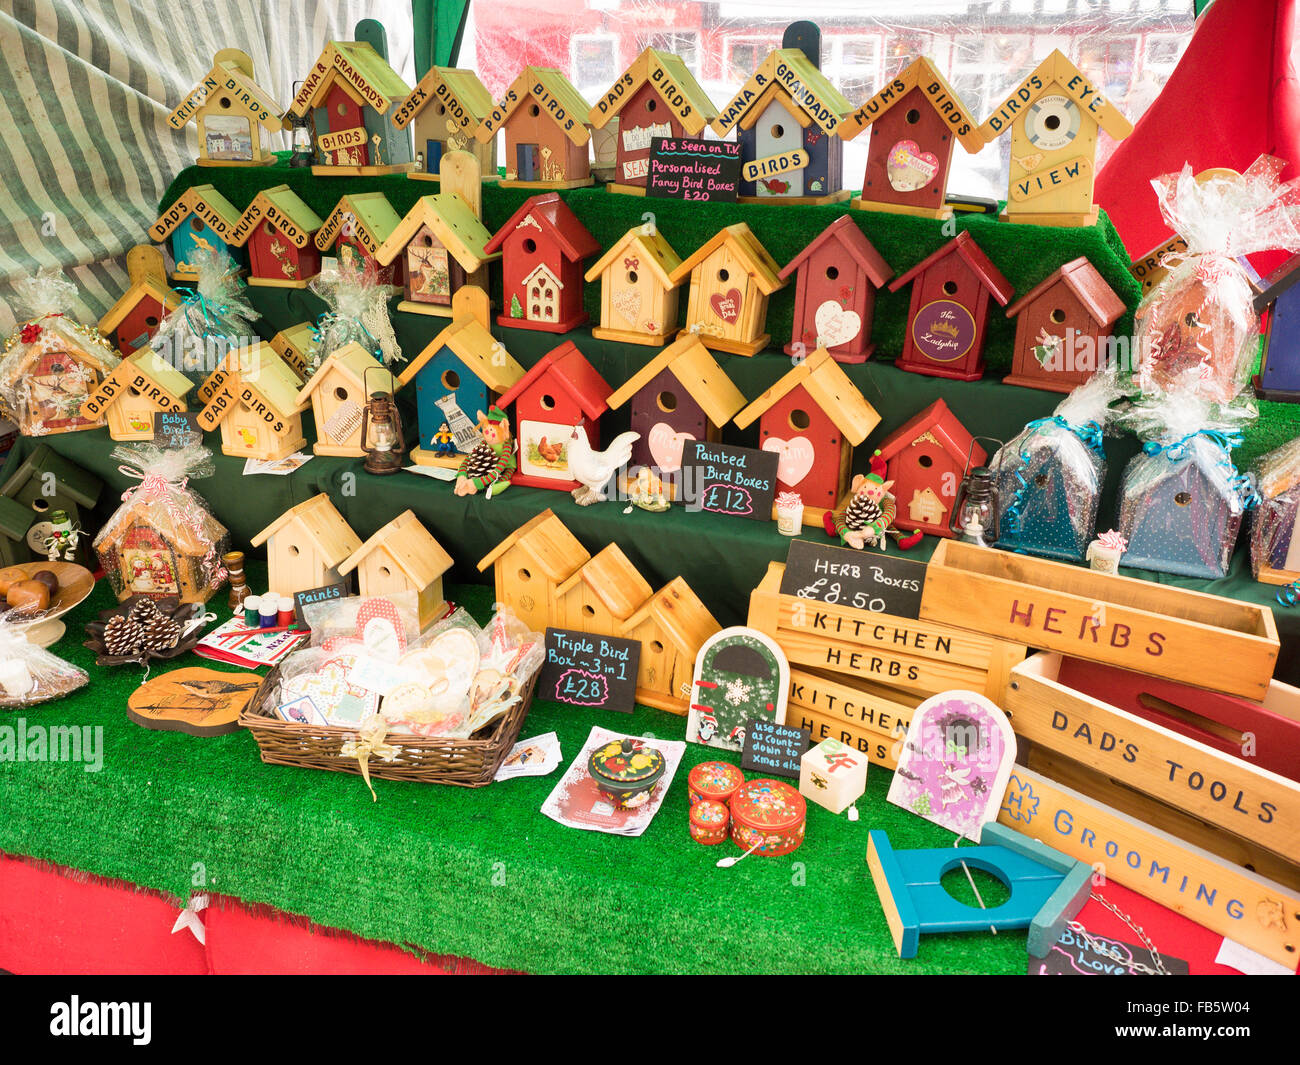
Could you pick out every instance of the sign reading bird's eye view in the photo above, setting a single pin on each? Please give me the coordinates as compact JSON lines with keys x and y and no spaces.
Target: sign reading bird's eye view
{"x":726,"y":479}
{"x":583,"y":669}
{"x":840,"y":576}
{"x":691,"y":168}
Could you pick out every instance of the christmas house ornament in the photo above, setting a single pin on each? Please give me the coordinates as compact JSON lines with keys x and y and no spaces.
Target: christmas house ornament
{"x":547,"y":141}
{"x":1278,"y":297}
{"x":141,"y":386}
{"x":279,"y":230}
{"x":732,"y":275}
{"x":200,"y":220}
{"x":672,"y":625}
{"x":602,"y":595}
{"x":835,"y":292}
{"x":253,"y":400}
{"x":1054,"y":116}
{"x":767,"y":818}
{"x":926,"y":459}
{"x":134,"y":319}
{"x":916,"y":121}
{"x":833,"y":775}
{"x":657,"y":96}
{"x":489,"y":465}
{"x":638,"y":296}
{"x":338,"y":394}
{"x":230,"y":110}
{"x":1274,"y":528}
{"x":739,"y":674}
{"x":444,"y":111}
{"x":41,"y":486}
{"x":402,"y":556}
{"x":947,"y":320}
{"x":306,"y":545}
{"x":442,"y":246}
{"x":531,"y":564}
{"x":355,"y":231}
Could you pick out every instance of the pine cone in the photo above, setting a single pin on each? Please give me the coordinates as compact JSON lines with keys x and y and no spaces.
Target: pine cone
{"x":861,"y":513}
{"x":159,"y":633}
{"x":122,"y":637}
{"x":144,"y":610}
{"x":481,"y":462}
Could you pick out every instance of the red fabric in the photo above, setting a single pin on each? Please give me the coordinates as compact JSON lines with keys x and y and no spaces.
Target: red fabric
{"x":1234,"y":96}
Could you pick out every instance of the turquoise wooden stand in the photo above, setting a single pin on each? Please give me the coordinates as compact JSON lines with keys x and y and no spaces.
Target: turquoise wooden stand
{"x":1047,"y":888}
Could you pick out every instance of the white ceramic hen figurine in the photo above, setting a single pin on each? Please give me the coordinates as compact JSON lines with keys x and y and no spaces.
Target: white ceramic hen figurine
{"x":593,"y":469}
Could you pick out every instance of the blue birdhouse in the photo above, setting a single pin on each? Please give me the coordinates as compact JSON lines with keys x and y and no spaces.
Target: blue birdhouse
{"x":1274,"y":528}
{"x":1279,"y":301}
{"x":201,"y":220}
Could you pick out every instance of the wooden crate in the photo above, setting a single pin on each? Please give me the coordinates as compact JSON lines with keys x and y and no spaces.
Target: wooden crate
{"x":1196,"y":639}
{"x":872,"y":718}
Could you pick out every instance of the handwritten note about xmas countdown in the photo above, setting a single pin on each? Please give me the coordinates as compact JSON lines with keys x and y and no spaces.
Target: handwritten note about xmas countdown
{"x":586,"y":670}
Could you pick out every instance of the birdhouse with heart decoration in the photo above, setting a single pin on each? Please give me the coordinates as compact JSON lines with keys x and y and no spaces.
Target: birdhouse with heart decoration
{"x":355,"y":231}
{"x":442,"y":247}
{"x":926,"y":459}
{"x":279,"y":229}
{"x":813,"y":418}
{"x":548,"y":142}
{"x":201,"y":220}
{"x":836,"y":277}
{"x":638,"y":296}
{"x":133,"y":320}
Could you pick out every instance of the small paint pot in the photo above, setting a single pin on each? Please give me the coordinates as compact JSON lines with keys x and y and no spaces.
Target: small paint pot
{"x":626,"y":771}
{"x":268,"y":605}
{"x":713,"y":781}
{"x":284,"y":613}
{"x":709,"y":822}
{"x":252,"y":611}
{"x":769,"y":813}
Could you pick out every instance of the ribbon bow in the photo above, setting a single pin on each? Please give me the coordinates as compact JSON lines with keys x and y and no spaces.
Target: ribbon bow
{"x":1111,"y":540}
{"x":210,"y":313}
{"x":370,"y":742}
{"x":1089,"y":433}
{"x":1225,"y":441}
{"x":631,"y":263}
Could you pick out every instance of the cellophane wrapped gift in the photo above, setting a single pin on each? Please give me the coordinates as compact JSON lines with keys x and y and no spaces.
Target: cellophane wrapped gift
{"x":1197,"y":331}
{"x":30,"y":674}
{"x":163,"y":540}
{"x":1274,"y":528}
{"x":358,"y":313}
{"x":51,"y":364}
{"x":1049,"y":477}
{"x":1182,"y":498}
{"x":214,"y":320}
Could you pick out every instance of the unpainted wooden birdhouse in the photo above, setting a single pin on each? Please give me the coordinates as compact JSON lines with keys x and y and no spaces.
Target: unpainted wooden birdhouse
{"x":529,"y":566}
{"x":603,"y":595}
{"x":338,"y":392}
{"x":403,"y":556}
{"x":672,"y":626}
{"x":306,"y":545}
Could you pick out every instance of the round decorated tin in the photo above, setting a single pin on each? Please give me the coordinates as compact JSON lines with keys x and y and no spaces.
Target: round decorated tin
{"x":709,"y":822}
{"x":770,"y":813}
{"x":626,"y":771}
{"x":716,"y":781}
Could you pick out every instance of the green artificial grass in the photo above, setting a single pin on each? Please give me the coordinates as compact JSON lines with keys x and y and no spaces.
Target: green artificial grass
{"x":470,"y":872}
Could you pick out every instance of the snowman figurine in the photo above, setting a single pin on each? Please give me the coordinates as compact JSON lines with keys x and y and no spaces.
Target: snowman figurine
{"x":62,"y":538}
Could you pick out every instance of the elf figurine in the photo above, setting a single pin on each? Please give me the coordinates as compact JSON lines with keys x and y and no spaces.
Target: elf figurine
{"x":491,"y":463}
{"x":869,"y":513}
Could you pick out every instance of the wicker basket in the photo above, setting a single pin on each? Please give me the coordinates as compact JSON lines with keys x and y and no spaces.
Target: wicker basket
{"x":467,"y":763}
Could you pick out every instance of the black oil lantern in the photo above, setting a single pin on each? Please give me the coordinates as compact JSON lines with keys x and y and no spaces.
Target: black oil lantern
{"x":977,"y":505}
{"x":381,"y":433}
{"x":300,"y":136}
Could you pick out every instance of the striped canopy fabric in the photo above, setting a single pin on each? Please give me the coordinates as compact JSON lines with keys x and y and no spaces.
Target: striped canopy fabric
{"x":85,"y":90}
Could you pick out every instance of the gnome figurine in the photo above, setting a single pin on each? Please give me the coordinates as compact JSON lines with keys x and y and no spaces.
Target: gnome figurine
{"x":869,"y":513}
{"x":491,"y":462}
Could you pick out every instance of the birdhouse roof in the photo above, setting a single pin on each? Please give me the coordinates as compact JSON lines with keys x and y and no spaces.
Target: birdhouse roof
{"x":571,"y":371}
{"x":372,"y":216}
{"x":552,"y":82}
{"x":682,"y":619}
{"x":410,"y":545}
{"x":830,"y":388}
{"x":231,"y":70}
{"x":259,"y":369}
{"x":323,"y":525}
{"x":294,"y":344}
{"x":659,"y":255}
{"x":360,"y":70}
{"x":920,"y":71}
{"x":545,"y":539}
{"x":278,"y":201}
{"x":163,"y":374}
{"x":459,"y":87}
{"x":741,"y":240}
{"x":963,"y":244}
{"x":207,"y":204}
{"x":82,"y":343}
{"x":483,"y":355}
{"x":798,"y":80}
{"x":613,"y":580}
{"x":1056,"y":74}
{"x":942,"y":425}
{"x":845,"y":232}
{"x":352,"y":361}
{"x":1081,"y":278}
{"x":549,"y":214}
{"x":1281,"y":279}
{"x":453,"y":222}
{"x":658,"y":68}
{"x":141,"y":288}
{"x":80,"y":485}
{"x":15,"y":519}
{"x":699,"y":373}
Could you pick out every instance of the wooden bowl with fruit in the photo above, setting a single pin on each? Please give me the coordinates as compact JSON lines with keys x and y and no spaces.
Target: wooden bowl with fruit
{"x":36,"y":594}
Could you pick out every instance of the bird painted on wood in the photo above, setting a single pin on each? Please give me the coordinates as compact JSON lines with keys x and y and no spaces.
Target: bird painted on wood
{"x":593,"y":469}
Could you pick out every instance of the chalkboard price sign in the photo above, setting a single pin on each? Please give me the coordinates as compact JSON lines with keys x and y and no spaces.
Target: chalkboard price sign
{"x":729,"y":480}
{"x":176,"y":428}
{"x":586,"y":670}
{"x":774,"y":749}
{"x":691,"y":168}
{"x":861,"y":580}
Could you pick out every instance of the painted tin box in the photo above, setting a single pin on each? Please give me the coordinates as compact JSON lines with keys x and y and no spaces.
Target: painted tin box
{"x":769,"y":813}
{"x":709,"y":822}
{"x":715,"y":781}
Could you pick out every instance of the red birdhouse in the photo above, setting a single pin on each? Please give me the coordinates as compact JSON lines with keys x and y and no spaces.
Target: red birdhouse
{"x":926,"y":459}
{"x":279,"y":229}
{"x":133,"y":320}
{"x":562,"y":390}
{"x":835,"y":292}
{"x":542,"y":247}
{"x":948,"y":319}
{"x":1060,"y":324}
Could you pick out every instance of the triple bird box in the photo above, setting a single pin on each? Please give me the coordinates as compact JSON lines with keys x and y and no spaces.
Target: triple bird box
{"x":132,"y":321}
{"x":732,"y":275}
{"x":445,"y":110}
{"x":279,"y":229}
{"x":200,"y":220}
{"x":253,"y":400}
{"x":230,"y":110}
{"x":603,"y":594}
{"x":548,"y":144}
{"x":926,"y":459}
{"x":442,"y":245}
{"x":638,"y":296}
{"x":531,"y":564}
{"x":356,"y":229}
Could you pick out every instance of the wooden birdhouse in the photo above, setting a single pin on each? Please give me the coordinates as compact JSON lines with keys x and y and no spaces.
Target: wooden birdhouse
{"x":132,"y":321}
{"x":812,"y":418}
{"x":1275,"y":523}
{"x":638,"y":296}
{"x":230,"y":110}
{"x":53,"y":366}
{"x":657,"y":96}
{"x":442,"y":247}
{"x":602,"y":595}
{"x":306,"y":545}
{"x":200,"y":220}
{"x":279,"y":230}
{"x":835,"y":292}
{"x":926,"y":459}
{"x":445,"y":110}
{"x":786,"y":116}
{"x":529,"y":566}
{"x":15,"y":522}
{"x":338,"y":392}
{"x":468,"y":364}
{"x":355,"y":231}
{"x":547,"y":139}
{"x":139,"y":388}
{"x":947,"y":320}
{"x":403,"y":556}
{"x":916,"y":121}
{"x":350,"y":98}
{"x":1061,"y":324}
{"x":1054,"y":116}
{"x":1279,"y":301}
{"x":672,"y":626}
{"x":732,"y":275}
{"x":44,"y":482}
{"x":681,"y":394}
{"x":561,"y":391}
{"x":294,"y":345}
{"x":542,"y":247}
{"x":253,"y":399}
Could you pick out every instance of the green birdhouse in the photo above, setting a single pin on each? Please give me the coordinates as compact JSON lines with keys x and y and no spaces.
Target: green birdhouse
{"x":45,"y":482}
